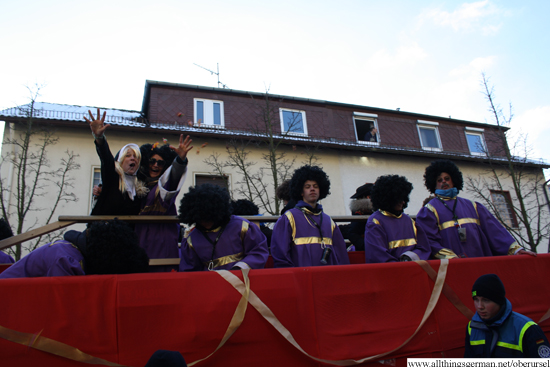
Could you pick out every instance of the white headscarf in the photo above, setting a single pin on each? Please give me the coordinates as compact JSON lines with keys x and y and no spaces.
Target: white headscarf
{"x":130,"y":180}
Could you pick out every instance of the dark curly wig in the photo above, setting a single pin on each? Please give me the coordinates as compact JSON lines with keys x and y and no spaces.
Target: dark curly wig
{"x":390,"y":190}
{"x":436,"y":168}
{"x":283,"y":191}
{"x":309,"y":173}
{"x":205,"y":203}
{"x":244,"y":207}
{"x":113,"y":248}
{"x":147,"y":151}
{"x":5,"y":229}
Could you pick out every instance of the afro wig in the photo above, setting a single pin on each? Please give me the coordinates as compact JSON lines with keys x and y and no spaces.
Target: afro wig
{"x":148,"y":150}
{"x":205,"y":203}
{"x":113,"y":248}
{"x":309,"y":173}
{"x":390,"y":190}
{"x":5,"y":229}
{"x":283,"y":191}
{"x":436,"y":168}
{"x":244,"y":207}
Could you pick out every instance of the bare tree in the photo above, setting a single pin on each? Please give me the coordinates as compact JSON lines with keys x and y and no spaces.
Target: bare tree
{"x":34,"y":176}
{"x":258,"y":180}
{"x":512,"y":168}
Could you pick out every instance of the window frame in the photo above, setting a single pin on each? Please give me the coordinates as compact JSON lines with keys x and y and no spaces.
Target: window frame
{"x":508,"y":202}
{"x":214,"y":178}
{"x":420,"y":124}
{"x":478,"y":132}
{"x":304,"y":122}
{"x":208,"y":106}
{"x":369,"y":118}
{"x":95,"y":169}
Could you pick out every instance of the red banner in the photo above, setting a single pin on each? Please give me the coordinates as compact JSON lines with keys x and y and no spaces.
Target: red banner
{"x":333,"y":313}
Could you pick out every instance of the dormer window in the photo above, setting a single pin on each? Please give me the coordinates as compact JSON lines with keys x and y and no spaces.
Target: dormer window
{"x":366,"y":128}
{"x":293,"y":121}
{"x":429,"y":135}
{"x":209,"y":112}
{"x":476,"y":142}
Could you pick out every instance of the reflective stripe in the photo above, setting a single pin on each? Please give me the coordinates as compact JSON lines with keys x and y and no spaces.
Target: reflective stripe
{"x":224,"y":260}
{"x":431,"y":208}
{"x":509,"y":346}
{"x":292,"y":223}
{"x":375,"y":221}
{"x":523,"y":330}
{"x":402,"y":243}
{"x":477,"y":342}
{"x":461,"y":221}
{"x":244,"y":229}
{"x":513,"y":248}
{"x":309,"y":240}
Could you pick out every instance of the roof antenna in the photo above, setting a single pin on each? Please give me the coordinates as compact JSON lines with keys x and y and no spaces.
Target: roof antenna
{"x":216,"y":73}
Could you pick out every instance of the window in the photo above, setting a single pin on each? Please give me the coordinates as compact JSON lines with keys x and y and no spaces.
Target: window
{"x":218,"y":180}
{"x":476,"y":143}
{"x":209,"y":112}
{"x":96,"y":180}
{"x":293,"y":121}
{"x":503,"y":206}
{"x":364,"y":125}
{"x":429,"y":135}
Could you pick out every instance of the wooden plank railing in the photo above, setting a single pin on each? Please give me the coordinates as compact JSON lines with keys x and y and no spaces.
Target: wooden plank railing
{"x":68,"y":220}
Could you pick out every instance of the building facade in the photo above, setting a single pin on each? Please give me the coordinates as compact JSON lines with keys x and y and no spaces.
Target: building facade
{"x":338,"y":136}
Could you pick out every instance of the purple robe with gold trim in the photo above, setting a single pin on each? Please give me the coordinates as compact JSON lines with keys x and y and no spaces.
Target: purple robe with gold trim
{"x":387,"y":237}
{"x":54,"y":259}
{"x":241,"y":243}
{"x":5,"y":258}
{"x":485,"y":235}
{"x":160,"y":240}
{"x":296,"y":240}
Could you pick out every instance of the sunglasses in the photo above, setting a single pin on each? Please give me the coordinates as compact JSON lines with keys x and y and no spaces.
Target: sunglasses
{"x":160,"y":162}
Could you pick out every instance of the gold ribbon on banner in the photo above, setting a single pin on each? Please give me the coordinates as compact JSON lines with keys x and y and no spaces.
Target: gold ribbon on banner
{"x":51,"y":346}
{"x":238,"y":316}
{"x":267,"y":314}
{"x":447,"y":291}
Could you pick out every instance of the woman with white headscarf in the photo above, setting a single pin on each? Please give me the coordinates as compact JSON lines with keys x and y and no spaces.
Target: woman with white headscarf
{"x":122,"y":192}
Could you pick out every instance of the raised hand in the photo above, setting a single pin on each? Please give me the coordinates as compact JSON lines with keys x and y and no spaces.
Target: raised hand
{"x":184,"y":147}
{"x":97,"y":125}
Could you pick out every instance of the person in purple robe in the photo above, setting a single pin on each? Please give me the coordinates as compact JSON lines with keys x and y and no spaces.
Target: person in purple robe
{"x":218,"y":240}
{"x":106,"y":247}
{"x":5,"y":232}
{"x":163,"y":169}
{"x":390,"y":234}
{"x":463,"y":226}
{"x":305,"y":235}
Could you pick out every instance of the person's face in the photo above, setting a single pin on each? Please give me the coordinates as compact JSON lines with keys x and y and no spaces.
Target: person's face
{"x":486,"y":309}
{"x":310,"y":192}
{"x":400,"y":206}
{"x":444,"y":181}
{"x":130,"y":163}
{"x":374,"y":130}
{"x":156,"y":164}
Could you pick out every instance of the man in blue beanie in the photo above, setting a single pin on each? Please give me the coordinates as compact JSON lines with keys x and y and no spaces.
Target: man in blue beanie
{"x":496,"y":331}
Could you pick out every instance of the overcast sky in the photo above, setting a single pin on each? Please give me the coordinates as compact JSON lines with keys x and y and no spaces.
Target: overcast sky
{"x":419,"y":56}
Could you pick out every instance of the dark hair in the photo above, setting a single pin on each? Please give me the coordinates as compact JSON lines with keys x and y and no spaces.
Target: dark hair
{"x":206,"y":202}
{"x":390,"y":190}
{"x":283,"y":191}
{"x":244,"y":207}
{"x":309,"y":173}
{"x":147,"y":151}
{"x":113,"y":248}
{"x":436,"y":168}
{"x":5,"y":229}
